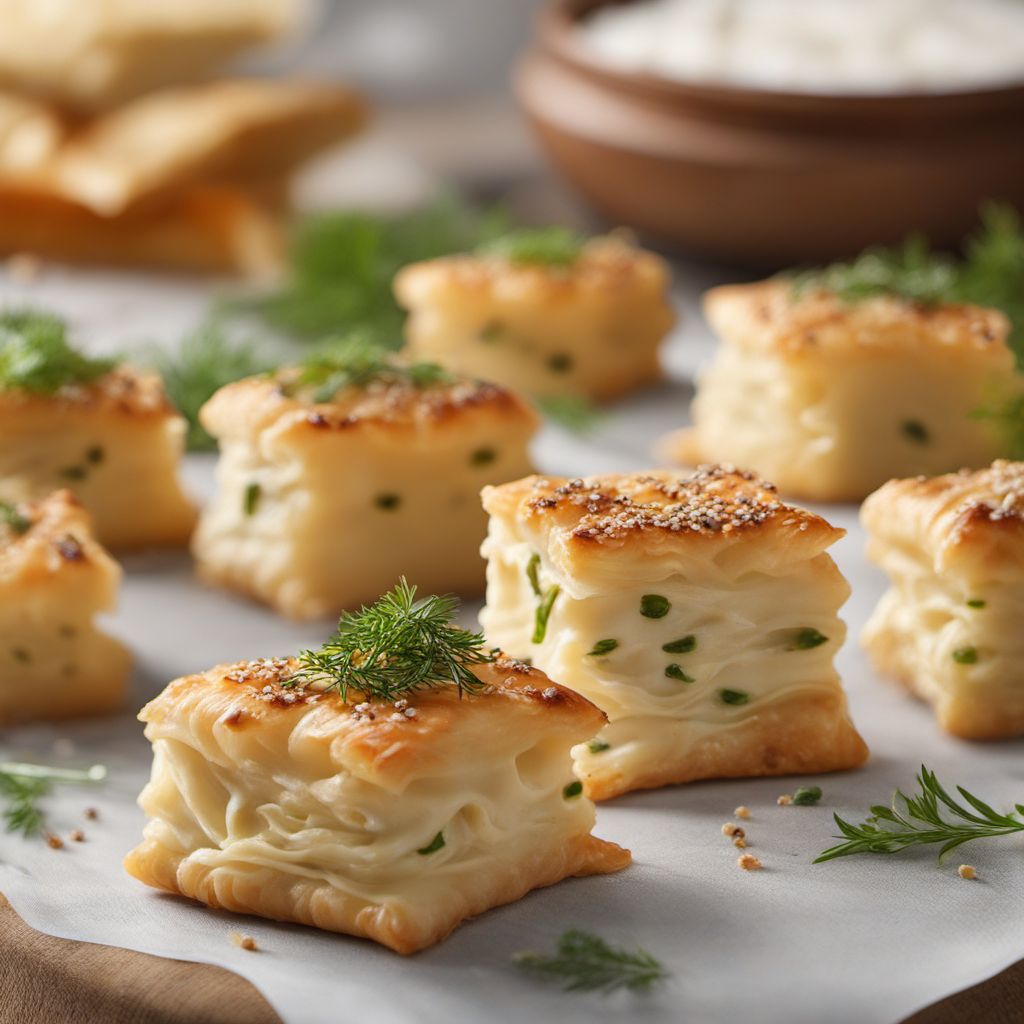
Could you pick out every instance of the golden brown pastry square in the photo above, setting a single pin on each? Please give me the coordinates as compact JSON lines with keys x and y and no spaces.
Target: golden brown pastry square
{"x":54,"y":578}
{"x":393,"y":822}
{"x":830,"y":399}
{"x":949,"y":628}
{"x":699,"y":612}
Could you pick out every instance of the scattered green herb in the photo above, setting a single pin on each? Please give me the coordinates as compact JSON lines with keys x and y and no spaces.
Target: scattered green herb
{"x":598,"y":746}
{"x":491,"y":331}
{"x":654,"y":606}
{"x":482,"y":457}
{"x":806,"y":639}
{"x":24,"y":785}
{"x":583,"y":962}
{"x":388,"y":502}
{"x":966,"y":655}
{"x":543,"y":613}
{"x":684,"y":645}
{"x":251,"y":499}
{"x":395,"y":646}
{"x":545,"y":246}
{"x":975,"y":602}
{"x":916,"y":431}
{"x":923,"y":820}
{"x":602,"y":647}
{"x":532,"y":573}
{"x":433,"y":846}
{"x":807,"y":796}
{"x":734,"y":697}
{"x":95,"y":455}
{"x":573,"y":789}
{"x":676,"y":672}
{"x":10,"y":515}
{"x":571,"y":412}
{"x":35,"y":355}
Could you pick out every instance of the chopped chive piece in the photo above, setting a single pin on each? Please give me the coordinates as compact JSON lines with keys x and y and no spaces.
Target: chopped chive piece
{"x":654,"y":606}
{"x":74,"y":472}
{"x":532,"y":566}
{"x":95,"y":455}
{"x":598,"y":746}
{"x":483,"y":457}
{"x":675,"y":672}
{"x":807,"y":796}
{"x":573,"y":789}
{"x":733,"y":697}
{"x":560,"y":362}
{"x":602,"y":647}
{"x":684,"y":645}
{"x":491,"y":331}
{"x":975,"y":602}
{"x":251,"y":499}
{"x":540,"y":622}
{"x":916,"y":431}
{"x":388,"y":502}
{"x":806,"y":639}
{"x":966,"y":655}
{"x":433,"y":846}
{"x":13,"y":518}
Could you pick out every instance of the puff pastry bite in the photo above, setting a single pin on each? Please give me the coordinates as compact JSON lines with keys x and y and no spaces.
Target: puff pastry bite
{"x":108,"y":432}
{"x":699,"y":612}
{"x":830,"y":399}
{"x":54,"y":578}
{"x":328,"y":491}
{"x":392,"y":821}
{"x":93,"y":54}
{"x":949,"y":627}
{"x":590,"y":325}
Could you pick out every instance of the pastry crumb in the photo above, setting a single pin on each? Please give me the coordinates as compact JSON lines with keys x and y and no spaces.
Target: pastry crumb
{"x":785,"y":800}
{"x":91,"y":813}
{"x":739,"y":842}
{"x":749,"y":862}
{"x":24,"y":267}
{"x":77,"y":836}
{"x":742,"y":811}
{"x":246,"y":942}
{"x":54,"y":842}
{"x":730,"y":828}
{"x":967,"y":871}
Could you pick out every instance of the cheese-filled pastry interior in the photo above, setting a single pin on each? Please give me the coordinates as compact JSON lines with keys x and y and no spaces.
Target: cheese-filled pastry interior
{"x":699,"y":612}
{"x":385,"y":799}
{"x":949,"y":628}
{"x":54,"y":579}
{"x":106,"y":431}
{"x":338,"y":476}
{"x":830,"y":398}
{"x":543,"y":312}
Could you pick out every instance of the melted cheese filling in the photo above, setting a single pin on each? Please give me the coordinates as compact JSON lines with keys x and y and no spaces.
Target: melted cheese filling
{"x":304,"y":818}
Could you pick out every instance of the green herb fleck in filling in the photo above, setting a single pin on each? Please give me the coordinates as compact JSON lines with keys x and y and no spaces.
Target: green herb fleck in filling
{"x":602,"y":647}
{"x":916,"y":431}
{"x":676,"y":672}
{"x":540,"y":621}
{"x":532,"y":568}
{"x":975,"y":602}
{"x":483,"y":457}
{"x":573,"y":789}
{"x":20,"y":654}
{"x":388,"y":502}
{"x":966,"y":655}
{"x":735,"y":697}
{"x":684,"y":645}
{"x":491,"y":332}
{"x":806,"y":639}
{"x":654,"y":606}
{"x":807,"y":796}
{"x":95,"y":455}
{"x":598,"y":746}
{"x":251,"y":499}
{"x":74,"y":473}
{"x":560,"y":362}
{"x":433,"y":846}
{"x":13,"y":518}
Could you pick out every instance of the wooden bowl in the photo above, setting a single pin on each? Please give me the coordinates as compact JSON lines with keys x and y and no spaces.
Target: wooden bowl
{"x":766,"y":179}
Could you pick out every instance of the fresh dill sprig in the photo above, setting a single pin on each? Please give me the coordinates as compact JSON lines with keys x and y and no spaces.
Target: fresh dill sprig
{"x":35,"y":355}
{"x":544,"y":246}
{"x":24,"y":785}
{"x":396,"y":646}
{"x":571,"y":412}
{"x":930,"y":817}
{"x":206,"y":361}
{"x":356,"y":362}
{"x":342,"y":264}
{"x":584,"y":962}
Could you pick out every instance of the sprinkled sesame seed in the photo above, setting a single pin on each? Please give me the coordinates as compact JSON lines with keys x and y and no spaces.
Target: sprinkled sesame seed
{"x":550,"y":693}
{"x":409,"y":712}
{"x":246,"y":942}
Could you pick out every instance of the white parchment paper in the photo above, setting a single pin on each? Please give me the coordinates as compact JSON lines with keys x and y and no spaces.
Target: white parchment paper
{"x":863,"y":940}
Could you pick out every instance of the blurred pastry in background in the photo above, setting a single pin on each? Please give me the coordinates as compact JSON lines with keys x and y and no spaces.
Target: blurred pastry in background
{"x":339,"y":476}
{"x":91,"y":55}
{"x":542,"y":311}
{"x":194,"y":178}
{"x":700,"y":613}
{"x":98,"y":427}
{"x":54,"y":578}
{"x":830,"y":398}
{"x":949,"y":627}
